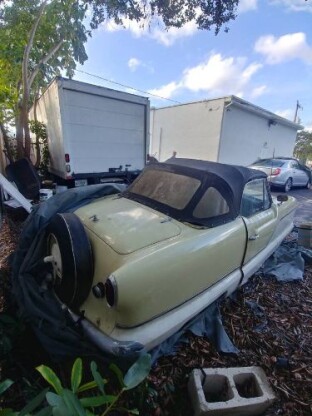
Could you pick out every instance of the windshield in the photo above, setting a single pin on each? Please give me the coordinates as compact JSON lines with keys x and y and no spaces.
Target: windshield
{"x":168,"y":188}
{"x":270,"y":163}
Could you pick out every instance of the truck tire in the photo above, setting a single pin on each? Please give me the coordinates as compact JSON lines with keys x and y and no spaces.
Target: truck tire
{"x":69,"y":250}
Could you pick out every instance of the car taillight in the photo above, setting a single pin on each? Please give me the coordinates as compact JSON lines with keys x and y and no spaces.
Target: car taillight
{"x":67,"y":158}
{"x":276,"y":171}
{"x":111,"y":291}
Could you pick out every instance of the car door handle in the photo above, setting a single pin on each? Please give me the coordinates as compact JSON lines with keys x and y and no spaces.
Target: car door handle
{"x":253,"y":237}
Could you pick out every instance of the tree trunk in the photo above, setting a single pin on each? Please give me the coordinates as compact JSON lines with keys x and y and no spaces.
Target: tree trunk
{"x":27,"y":138}
{"x":19,"y":132}
{"x":25,"y":80}
{"x":38,"y":153}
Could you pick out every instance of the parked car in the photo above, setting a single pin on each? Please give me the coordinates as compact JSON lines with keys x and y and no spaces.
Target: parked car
{"x":285,"y":173}
{"x":135,"y":267}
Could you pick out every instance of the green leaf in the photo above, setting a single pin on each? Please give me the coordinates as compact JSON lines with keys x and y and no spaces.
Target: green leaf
{"x":87,"y":386}
{"x":72,"y":403}
{"x":60,"y":409}
{"x":49,"y":375}
{"x":97,"y":401}
{"x":97,"y":377}
{"x":113,"y":367}
{"x":76,"y":375}
{"x":34,"y":403}
{"x":138,"y":372}
{"x":6,"y":384}
{"x":53,"y":399}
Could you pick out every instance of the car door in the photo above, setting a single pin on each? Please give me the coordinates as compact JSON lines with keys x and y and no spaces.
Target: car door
{"x":260,"y":217}
{"x":299,"y":176}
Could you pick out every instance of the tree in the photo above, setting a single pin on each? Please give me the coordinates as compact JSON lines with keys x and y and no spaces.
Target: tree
{"x":206,"y":13}
{"x":40,"y":38}
{"x":303,"y":146}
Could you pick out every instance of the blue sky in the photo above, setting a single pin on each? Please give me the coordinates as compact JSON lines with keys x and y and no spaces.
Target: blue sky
{"x":265,"y":58}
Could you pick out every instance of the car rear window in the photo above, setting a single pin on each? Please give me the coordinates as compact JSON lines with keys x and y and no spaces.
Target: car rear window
{"x":168,"y":188}
{"x":270,"y":163}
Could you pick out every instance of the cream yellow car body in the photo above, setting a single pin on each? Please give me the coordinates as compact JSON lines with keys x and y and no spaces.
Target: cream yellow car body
{"x":167,"y":271}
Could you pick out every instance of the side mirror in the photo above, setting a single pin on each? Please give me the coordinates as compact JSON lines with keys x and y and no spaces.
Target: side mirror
{"x":282,"y":198}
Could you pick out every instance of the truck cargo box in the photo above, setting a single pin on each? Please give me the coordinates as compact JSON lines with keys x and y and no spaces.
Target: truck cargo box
{"x":94,"y":133}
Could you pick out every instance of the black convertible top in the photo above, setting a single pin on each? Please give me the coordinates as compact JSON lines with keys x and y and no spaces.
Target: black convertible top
{"x":235,"y":176}
{"x":229,"y":180}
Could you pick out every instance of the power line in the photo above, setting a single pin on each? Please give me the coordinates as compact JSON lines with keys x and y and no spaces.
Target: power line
{"x":126,"y":86}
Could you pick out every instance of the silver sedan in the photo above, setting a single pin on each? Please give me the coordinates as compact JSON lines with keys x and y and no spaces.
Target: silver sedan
{"x":284,"y":173}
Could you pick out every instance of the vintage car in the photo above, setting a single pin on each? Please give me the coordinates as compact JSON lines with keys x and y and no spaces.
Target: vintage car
{"x":135,"y":267}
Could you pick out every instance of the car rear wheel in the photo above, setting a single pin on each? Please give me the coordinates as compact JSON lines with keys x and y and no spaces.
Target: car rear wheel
{"x":288,"y":185}
{"x":69,"y":251}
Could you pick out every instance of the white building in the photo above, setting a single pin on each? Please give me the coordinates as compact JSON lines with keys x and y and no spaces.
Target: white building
{"x":227,"y":130}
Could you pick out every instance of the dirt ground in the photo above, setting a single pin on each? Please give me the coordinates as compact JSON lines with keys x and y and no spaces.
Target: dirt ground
{"x":278,"y":337}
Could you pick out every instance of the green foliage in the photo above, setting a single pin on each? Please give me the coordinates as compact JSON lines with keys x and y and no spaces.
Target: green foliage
{"x":76,"y":375}
{"x":97,"y":377}
{"x":5,"y":385}
{"x":49,"y":375}
{"x":206,"y":13}
{"x":58,"y":43}
{"x":138,"y":372}
{"x":67,"y":402}
{"x":303,"y":146}
{"x":62,"y":21}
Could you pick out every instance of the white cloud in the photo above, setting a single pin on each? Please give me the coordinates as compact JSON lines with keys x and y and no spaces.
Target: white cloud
{"x":258,"y":91}
{"x":168,"y":37}
{"x":216,"y":75}
{"x":133,"y":64}
{"x":284,"y":48}
{"x":220,"y":75}
{"x":308,"y":127}
{"x":166,"y":91}
{"x":156,"y":30}
{"x":287,"y":113}
{"x":294,"y":5}
{"x":247,"y":5}
{"x":138,"y":29}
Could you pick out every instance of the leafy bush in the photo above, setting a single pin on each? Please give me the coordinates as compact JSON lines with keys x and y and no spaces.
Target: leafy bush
{"x":69,"y":402}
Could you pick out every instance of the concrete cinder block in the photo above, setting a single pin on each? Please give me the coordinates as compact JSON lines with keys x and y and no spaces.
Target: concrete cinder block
{"x":238,"y":391}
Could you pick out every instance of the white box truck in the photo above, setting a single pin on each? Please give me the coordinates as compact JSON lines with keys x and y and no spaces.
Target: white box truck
{"x":226,"y":130}
{"x":94,"y":133}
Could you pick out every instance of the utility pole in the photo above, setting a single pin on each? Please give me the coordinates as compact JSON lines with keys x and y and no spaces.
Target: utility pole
{"x":296,"y":112}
